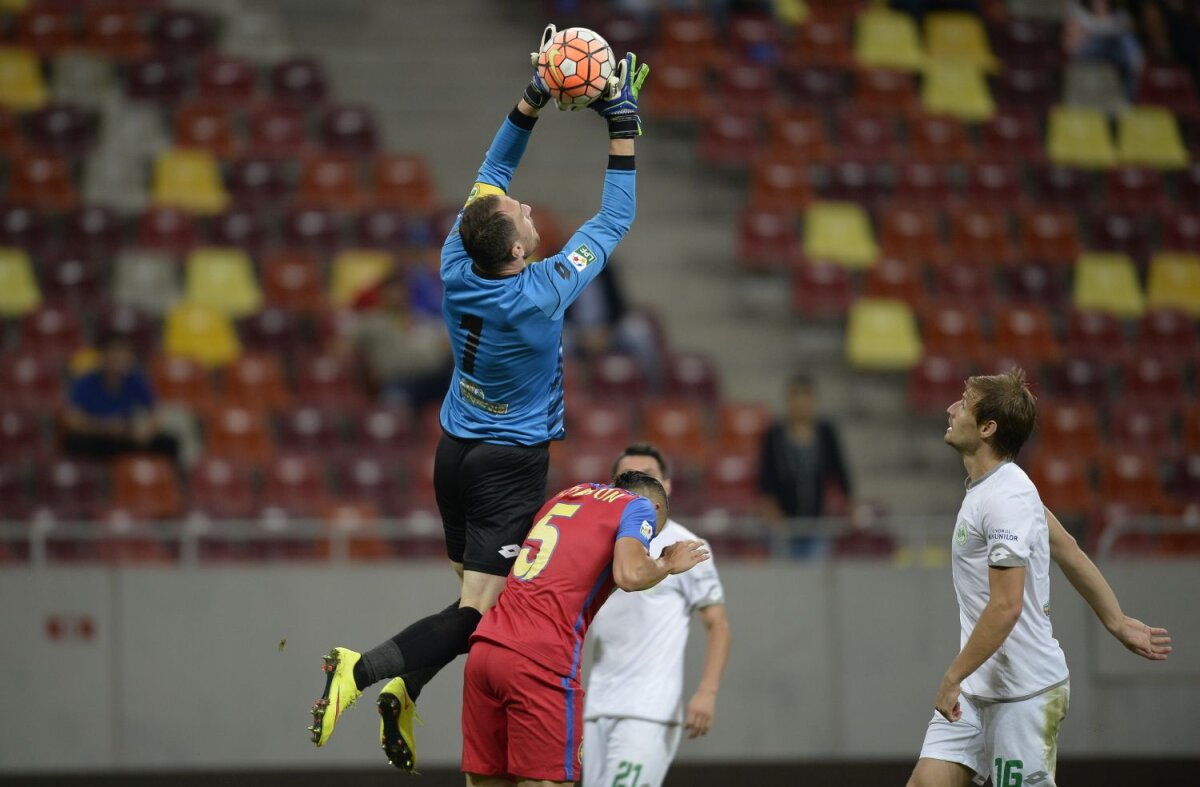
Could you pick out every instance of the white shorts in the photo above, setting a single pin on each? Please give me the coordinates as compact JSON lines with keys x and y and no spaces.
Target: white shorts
{"x":619,"y":752}
{"x":1003,"y":739}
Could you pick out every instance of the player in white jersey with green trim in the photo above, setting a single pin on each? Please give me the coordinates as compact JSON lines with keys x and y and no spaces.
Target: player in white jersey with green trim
{"x":633,"y":714}
{"x":1001,"y":701}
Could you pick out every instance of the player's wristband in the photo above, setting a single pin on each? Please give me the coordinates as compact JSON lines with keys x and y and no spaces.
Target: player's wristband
{"x":624,"y":163}
{"x":536,"y":97}
{"x":521,"y":120}
{"x":625,"y":126}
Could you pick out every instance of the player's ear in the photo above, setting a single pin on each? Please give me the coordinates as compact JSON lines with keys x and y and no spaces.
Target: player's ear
{"x":517,"y":251}
{"x":987,"y":429}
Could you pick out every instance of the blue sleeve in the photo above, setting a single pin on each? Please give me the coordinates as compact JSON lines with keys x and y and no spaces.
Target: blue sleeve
{"x":556,"y":282}
{"x":637,"y":521}
{"x":140,"y":391}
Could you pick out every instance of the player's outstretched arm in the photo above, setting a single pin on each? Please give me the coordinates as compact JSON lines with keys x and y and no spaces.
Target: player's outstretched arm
{"x":701,"y":708}
{"x":1146,"y":641}
{"x":633,"y":568}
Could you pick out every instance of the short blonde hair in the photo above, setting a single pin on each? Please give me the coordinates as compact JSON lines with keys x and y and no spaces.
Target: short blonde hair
{"x":1006,"y":399}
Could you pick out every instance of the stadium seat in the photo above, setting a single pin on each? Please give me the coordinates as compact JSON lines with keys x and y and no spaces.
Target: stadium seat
{"x":222,"y":278}
{"x":958,"y":91}
{"x":747,"y":88}
{"x":817,"y":87}
{"x":691,"y":376}
{"x":896,"y":279}
{"x":780,"y":184}
{"x":94,"y":230}
{"x":202,"y":333}
{"x":617,"y":377}
{"x":1152,"y":380}
{"x":15,"y":503}
{"x":952,"y":330}
{"x":19,"y":292}
{"x":1140,"y":428}
{"x":71,"y":278}
{"x":981,"y":236}
{"x":1025,"y":89}
{"x":766,"y":238}
{"x":731,"y":140}
{"x":239,"y":435}
{"x":292,"y":281}
{"x":1168,"y":335}
{"x":256,"y":183}
{"x":42,"y":181}
{"x":25,"y":228}
{"x":1063,"y":482}
{"x":1011,"y":135}
{"x":881,"y":334}
{"x":167,"y":230}
{"x":240,"y":227}
{"x":939,"y":139}
{"x":689,"y":37}
{"x":384,"y":433}
{"x":1191,"y":427}
{"x":965,"y":283}
{"x":993,"y":184}
{"x":83,"y":79}
{"x":274,"y":330}
{"x":1134,"y":190}
{"x":1149,"y":137}
{"x":679,"y":429}
{"x":299,"y":81}
{"x":922,"y":184}
{"x":393,"y":230}
{"x":681,"y":92}
{"x":1080,"y":379}
{"x":205,"y":126}
{"x":189,"y":179}
{"x":403,"y":182}
{"x":751,"y":36}
{"x":1066,"y":187}
{"x":1131,"y":479}
{"x":1050,"y":235}
{"x":821,"y":43}
{"x":1098,"y":335}
{"x":1025,"y":331}
{"x":1079,"y":137}
{"x":147,"y":487}
{"x":155,"y":79}
{"x":331,"y":181}
{"x":910,"y":233}
{"x":958,"y":38}
{"x":327,"y":382}
{"x":11,"y":139}
{"x":741,"y":426}
{"x":69,"y":490}
{"x":731,"y":485}
{"x":839,"y":232}
{"x":601,"y":423}
{"x":52,"y":332}
{"x":1168,"y":86}
{"x":22,"y":88}
{"x":62,"y":128}
{"x":221,"y":488}
{"x":1093,"y":84}
{"x":255,"y":382}
{"x":1123,"y":233}
{"x":307,"y":431}
{"x":821,"y":289}
{"x":1181,"y":231}
{"x":1185,"y":482}
{"x":355,"y":270}
{"x":182,"y":381}
{"x":1174,"y":283}
{"x":935,"y":383}
{"x":21,"y":438}
{"x":368,"y":479}
{"x":887,"y":39}
{"x":225,"y":80}
{"x":1108,"y":282}
{"x":45,"y":31}
{"x":296,"y":486}
{"x":1070,"y":430}
{"x":146,"y":280}
{"x":797,"y":136}
{"x":884,"y":90}
{"x":277,"y":131}
{"x":854,"y":180}
{"x":311,"y":229}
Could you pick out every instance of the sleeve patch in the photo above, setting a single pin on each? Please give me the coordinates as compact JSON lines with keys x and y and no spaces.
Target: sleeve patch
{"x":581,"y":257}
{"x":1001,"y":556}
{"x":482,"y":190}
{"x":647,"y":530}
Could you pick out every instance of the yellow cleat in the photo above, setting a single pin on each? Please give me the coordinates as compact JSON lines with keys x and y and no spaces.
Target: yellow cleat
{"x":340,"y":693}
{"x":396,"y":714}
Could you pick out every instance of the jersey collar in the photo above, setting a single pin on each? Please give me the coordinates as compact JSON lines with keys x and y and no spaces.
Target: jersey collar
{"x":972,"y":484}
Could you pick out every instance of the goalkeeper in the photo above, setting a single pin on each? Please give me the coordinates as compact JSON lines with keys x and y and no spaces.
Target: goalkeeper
{"x":505,"y":403}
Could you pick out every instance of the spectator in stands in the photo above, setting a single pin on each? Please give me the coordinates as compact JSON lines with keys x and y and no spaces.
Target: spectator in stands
{"x":801,"y":473}
{"x":1172,"y":32}
{"x":407,"y":354}
{"x":592,"y":321}
{"x":1104,"y":30}
{"x":112,"y":408}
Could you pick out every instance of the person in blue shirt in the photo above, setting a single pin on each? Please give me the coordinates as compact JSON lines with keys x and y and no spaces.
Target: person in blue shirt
{"x":111,"y":409}
{"x":504,"y":315}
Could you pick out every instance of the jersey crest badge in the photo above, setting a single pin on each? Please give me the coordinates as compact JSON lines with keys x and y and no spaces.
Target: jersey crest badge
{"x":581,"y":257}
{"x":960,"y":534}
{"x":647,"y":530}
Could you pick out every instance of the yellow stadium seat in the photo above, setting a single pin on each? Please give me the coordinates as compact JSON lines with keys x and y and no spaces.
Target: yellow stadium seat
{"x":1175,"y":283}
{"x":19,"y":293}
{"x":354,"y":270}
{"x":887,"y":39}
{"x":1108,"y":283}
{"x":957,"y":90}
{"x":200,"y":333}
{"x":22,"y":88}
{"x":1079,"y":137}
{"x":1149,"y":137}
{"x":839,"y":232}
{"x":189,"y":179}
{"x":223,"y":279}
{"x":959,"y":38}
{"x":882,"y":334}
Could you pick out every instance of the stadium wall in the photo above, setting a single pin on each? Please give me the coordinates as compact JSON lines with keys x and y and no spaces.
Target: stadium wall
{"x":171,"y":669}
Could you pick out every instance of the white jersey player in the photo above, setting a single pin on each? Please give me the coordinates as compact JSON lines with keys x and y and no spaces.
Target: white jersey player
{"x":1001,"y":701}
{"x":633,"y":713}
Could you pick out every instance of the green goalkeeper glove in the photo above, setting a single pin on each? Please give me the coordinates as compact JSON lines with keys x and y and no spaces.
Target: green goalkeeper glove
{"x":619,"y":104}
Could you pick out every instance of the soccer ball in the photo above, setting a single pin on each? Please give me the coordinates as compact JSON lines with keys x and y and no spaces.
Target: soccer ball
{"x":576,"y":65}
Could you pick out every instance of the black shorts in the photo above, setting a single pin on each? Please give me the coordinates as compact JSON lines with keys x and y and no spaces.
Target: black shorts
{"x":487,"y":495}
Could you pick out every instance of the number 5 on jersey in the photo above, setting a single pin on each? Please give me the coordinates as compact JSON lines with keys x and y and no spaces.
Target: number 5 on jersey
{"x":532,"y":559}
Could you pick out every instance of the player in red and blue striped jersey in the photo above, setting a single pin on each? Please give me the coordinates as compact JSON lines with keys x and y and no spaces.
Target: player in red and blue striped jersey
{"x":522,"y":701}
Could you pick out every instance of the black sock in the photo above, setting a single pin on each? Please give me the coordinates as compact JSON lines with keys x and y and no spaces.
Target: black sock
{"x":421,"y":649}
{"x":415,"y":681}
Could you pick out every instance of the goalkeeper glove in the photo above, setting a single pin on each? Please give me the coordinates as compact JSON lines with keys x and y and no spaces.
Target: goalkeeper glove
{"x":536,"y":92}
{"x":619,"y":104}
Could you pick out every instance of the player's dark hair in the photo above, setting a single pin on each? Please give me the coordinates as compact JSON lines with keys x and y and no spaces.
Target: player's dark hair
{"x":643,"y":449}
{"x":1007,"y":400}
{"x":488,"y":234}
{"x":642,"y":484}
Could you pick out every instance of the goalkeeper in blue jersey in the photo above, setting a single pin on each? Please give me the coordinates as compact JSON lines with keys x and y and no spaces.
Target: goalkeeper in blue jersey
{"x":505,"y":403}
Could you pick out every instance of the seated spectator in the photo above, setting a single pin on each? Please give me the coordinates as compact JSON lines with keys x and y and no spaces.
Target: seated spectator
{"x":407,"y":355}
{"x":111,"y":410}
{"x":1103,"y":30}
{"x":801,"y":473}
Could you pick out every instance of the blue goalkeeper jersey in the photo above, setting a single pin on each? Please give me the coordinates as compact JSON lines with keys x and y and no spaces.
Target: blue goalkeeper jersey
{"x":506,"y":331}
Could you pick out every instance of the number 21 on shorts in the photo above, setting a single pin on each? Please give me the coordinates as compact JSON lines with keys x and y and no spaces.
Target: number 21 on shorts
{"x":532,"y":560}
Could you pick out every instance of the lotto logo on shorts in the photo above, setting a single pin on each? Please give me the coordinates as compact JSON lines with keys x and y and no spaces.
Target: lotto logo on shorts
{"x":509,"y":550}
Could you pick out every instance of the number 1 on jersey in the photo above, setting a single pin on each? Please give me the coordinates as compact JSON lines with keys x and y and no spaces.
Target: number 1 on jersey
{"x":533,"y":559}
{"x":474,"y":326}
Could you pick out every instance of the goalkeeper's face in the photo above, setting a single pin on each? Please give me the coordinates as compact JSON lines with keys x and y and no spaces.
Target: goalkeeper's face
{"x":522,"y":218}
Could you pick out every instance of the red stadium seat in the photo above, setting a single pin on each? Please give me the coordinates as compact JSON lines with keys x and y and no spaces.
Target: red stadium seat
{"x":797,"y":136}
{"x":867,"y":133}
{"x":1151,"y":380}
{"x":389,"y":230}
{"x":114,"y":33}
{"x":255,"y":382}
{"x":383,"y":433}
{"x":368,"y":479}
{"x":182,"y":380}
{"x":1139,"y":427}
{"x":966,"y":284}
{"x":1012,"y":136}
{"x":1169,"y":86}
{"x":747,"y":87}
{"x":821,"y":289}
{"x":327,"y":382}
{"x":30,"y":382}
{"x":349,"y":129}
{"x":1063,"y":482}
{"x":766,"y":238}
{"x":70,"y":490}
{"x":690,"y":375}
{"x":679,"y":429}
{"x":752,"y":36}
{"x":1096,"y":335}
{"x":183,"y":33}
{"x":404,"y":182}
{"x":922,"y":184}
{"x":314,"y":230}
{"x":741,"y":426}
{"x":1028,"y":42}
{"x":172,"y":230}
{"x":1069,"y":430}
{"x":21,"y":439}
{"x":292,"y":281}
{"x":993,"y":183}
{"x":155,"y":79}
{"x":239,"y":434}
{"x":854,"y":180}
{"x":147,"y":487}
{"x":680,"y":93}
{"x":256,"y":183}
{"x":1027,"y":89}
{"x":296,"y":486}
{"x":952,"y":330}
{"x":239,"y":227}
{"x":729,"y":139}
{"x":221,"y":489}
{"x":1135,"y":190}
{"x":911,"y":233}
{"x":277,"y":131}
{"x":46,"y":31}
{"x":731,"y":485}
{"x":15,"y":503}
{"x":1131,"y":479}
{"x":226,"y":80}
{"x":822,"y":43}
{"x":895,"y":278}
{"x":94,"y":230}
{"x":1169,"y":336}
{"x":1187,"y":185}
{"x":599,"y":424}
{"x":62,"y":128}
{"x":331,"y":181}
{"x":981,"y":235}
{"x":308,"y":431}
{"x":205,"y":126}
{"x":299,"y":81}
{"x":42,"y":181}
{"x":129,"y":323}
{"x":1063,"y":187}
{"x":935,"y":383}
{"x":780,"y":184}
{"x":885,"y":90}
{"x":273,"y":330}
{"x":818,"y":87}
{"x":1025,"y":331}
{"x":938,"y":139}
{"x":1186,"y":479}
{"x":1080,"y":379}
{"x":617,"y":376}
{"x":1037,"y":283}
{"x":52,"y":333}
{"x":1124,"y":233}
{"x":689,"y":37}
